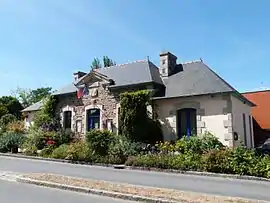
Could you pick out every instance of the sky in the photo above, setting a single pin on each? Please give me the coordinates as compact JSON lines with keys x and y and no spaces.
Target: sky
{"x":42,"y":43}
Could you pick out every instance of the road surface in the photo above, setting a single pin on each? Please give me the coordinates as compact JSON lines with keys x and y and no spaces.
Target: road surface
{"x":212,"y":185}
{"x":13,"y":192}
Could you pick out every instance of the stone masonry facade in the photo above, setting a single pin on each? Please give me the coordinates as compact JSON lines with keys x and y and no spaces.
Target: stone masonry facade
{"x":99,"y":97}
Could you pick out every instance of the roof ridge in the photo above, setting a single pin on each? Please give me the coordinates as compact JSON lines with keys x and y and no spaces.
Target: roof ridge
{"x":195,"y":61}
{"x":123,"y":64}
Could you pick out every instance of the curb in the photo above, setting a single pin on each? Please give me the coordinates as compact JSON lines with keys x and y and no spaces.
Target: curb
{"x":172,"y":171}
{"x":93,"y":191}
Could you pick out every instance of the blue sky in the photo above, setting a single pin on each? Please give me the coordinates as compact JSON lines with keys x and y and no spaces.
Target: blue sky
{"x":43,"y":42}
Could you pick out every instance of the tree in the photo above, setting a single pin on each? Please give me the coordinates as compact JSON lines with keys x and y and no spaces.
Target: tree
{"x":28,"y":97}
{"x":39,"y":94}
{"x":12,"y":104}
{"x":96,"y":64}
{"x":108,"y":62}
{"x":3,"y":111}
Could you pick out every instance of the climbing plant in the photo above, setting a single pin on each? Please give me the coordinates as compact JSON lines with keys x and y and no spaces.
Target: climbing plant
{"x":135,"y":122}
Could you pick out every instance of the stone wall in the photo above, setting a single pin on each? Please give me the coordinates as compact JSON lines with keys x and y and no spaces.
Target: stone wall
{"x":99,"y":97}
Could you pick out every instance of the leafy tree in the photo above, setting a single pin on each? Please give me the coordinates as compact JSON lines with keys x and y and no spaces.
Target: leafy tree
{"x":108,"y":62}
{"x":96,"y":64}
{"x":12,"y":104}
{"x":28,"y":97}
{"x":3,"y":111}
{"x":39,"y":94}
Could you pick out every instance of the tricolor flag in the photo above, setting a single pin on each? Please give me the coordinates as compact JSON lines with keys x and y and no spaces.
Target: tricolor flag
{"x":80,"y":93}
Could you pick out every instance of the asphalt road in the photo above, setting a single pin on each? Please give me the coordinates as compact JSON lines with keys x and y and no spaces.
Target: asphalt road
{"x":13,"y":192}
{"x":212,"y":185}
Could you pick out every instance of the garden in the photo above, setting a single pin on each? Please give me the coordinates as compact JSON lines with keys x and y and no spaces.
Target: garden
{"x":138,"y":143}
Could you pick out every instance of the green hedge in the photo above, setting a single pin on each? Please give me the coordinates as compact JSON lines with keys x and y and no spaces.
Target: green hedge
{"x":238,"y":161}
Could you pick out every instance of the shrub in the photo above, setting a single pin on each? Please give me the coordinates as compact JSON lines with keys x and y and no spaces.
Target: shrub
{"x":166,"y":161}
{"x":34,"y":140}
{"x":64,"y":136}
{"x":47,"y":151}
{"x":11,"y":141}
{"x":16,"y":127}
{"x":217,"y":161}
{"x":79,"y":151}
{"x":31,"y":150}
{"x":210,"y":142}
{"x":136,"y":123}
{"x":120,"y":148}
{"x":241,"y":160}
{"x":60,"y":152}
{"x":100,"y":141}
{"x":5,"y":120}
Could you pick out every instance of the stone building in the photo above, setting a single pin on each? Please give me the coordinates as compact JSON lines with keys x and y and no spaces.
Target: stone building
{"x":190,"y":99}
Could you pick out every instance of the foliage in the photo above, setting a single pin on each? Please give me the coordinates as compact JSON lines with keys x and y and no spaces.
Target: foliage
{"x":16,"y":127}
{"x":120,"y":148}
{"x":79,"y":151}
{"x":60,"y":152}
{"x":28,"y":97}
{"x":5,"y":120}
{"x":3,"y":110}
{"x":46,"y":116}
{"x":47,"y":151}
{"x":240,"y":161}
{"x":31,"y":150}
{"x":136,"y":124}
{"x":35,"y":139}
{"x":193,"y":144}
{"x":100,"y":141}
{"x":12,"y":104}
{"x":166,"y":161}
{"x":64,"y":136}
{"x":107,"y":62}
{"x":10,"y":141}
{"x":96,"y":64}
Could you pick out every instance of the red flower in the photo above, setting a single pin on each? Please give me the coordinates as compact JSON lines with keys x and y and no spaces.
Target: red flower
{"x":51,"y":142}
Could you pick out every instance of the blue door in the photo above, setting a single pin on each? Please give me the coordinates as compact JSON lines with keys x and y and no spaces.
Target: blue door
{"x":186,"y":122}
{"x":93,"y":119}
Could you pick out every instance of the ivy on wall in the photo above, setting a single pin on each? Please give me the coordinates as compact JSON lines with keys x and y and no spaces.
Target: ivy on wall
{"x":135,"y":122}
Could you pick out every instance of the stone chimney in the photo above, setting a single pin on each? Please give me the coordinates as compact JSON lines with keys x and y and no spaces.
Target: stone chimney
{"x":167,"y":64}
{"x":78,"y":75}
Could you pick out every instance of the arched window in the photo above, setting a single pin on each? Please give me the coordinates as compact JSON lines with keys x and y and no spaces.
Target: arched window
{"x":186,"y":122}
{"x":93,"y":119}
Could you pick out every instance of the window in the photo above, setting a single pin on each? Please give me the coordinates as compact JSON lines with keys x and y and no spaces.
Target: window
{"x":186,"y":122}
{"x":93,"y":119}
{"x":245,"y":130}
{"x":250,"y":131}
{"x":67,"y":119}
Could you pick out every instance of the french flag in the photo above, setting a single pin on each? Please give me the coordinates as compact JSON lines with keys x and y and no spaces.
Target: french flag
{"x":80,"y":93}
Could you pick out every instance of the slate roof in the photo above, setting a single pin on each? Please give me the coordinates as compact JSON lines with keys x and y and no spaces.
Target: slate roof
{"x":133,"y":73}
{"x":193,"y":78}
{"x":71,"y":88}
{"x":33,"y":107}
{"x":196,"y":78}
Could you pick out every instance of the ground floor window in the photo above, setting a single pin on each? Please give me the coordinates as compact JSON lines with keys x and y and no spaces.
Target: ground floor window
{"x":93,"y":119}
{"x":186,"y":122}
{"x":67,"y":119}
